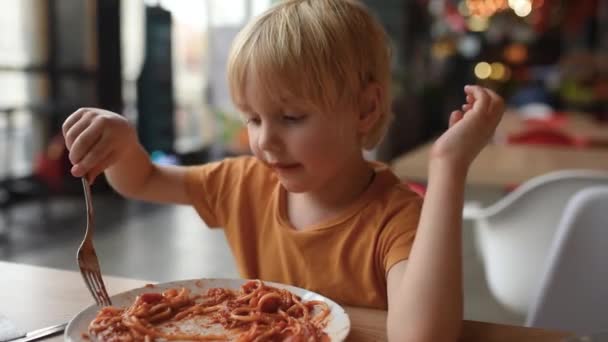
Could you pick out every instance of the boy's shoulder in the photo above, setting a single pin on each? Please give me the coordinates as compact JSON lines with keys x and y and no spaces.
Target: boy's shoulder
{"x":392,"y":197}
{"x":390,"y":187}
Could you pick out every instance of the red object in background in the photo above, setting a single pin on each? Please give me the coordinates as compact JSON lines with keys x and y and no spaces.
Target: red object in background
{"x":545,"y":132}
{"x":545,"y":136}
{"x":417,"y":188}
{"x":577,"y":14}
{"x":554,"y":121}
{"x":542,"y":15}
{"x":50,"y":165}
{"x":454,"y":18}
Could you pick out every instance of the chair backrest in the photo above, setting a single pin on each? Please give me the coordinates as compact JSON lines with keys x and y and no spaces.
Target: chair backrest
{"x":573,"y":293}
{"x":514,"y":234}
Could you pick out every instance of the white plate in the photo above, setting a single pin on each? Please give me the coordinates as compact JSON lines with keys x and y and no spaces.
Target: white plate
{"x":338,"y":325}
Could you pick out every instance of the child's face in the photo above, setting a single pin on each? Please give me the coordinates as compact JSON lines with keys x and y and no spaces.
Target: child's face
{"x":307,"y":149}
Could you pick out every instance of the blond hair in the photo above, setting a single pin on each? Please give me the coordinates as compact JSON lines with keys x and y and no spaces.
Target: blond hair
{"x":324,"y":52}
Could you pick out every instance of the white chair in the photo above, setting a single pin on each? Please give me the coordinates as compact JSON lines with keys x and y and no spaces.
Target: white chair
{"x":573,"y":293}
{"x":513,"y":236}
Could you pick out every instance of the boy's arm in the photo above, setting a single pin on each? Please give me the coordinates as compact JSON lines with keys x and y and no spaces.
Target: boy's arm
{"x":99,"y":140}
{"x":425,"y":301}
{"x":135,"y":176}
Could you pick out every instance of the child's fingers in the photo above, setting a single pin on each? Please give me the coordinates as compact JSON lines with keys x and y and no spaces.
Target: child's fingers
{"x":455,"y":117}
{"x":469,"y":104}
{"x":496,"y":103}
{"x":98,"y":153}
{"x":85,"y":141}
{"x":492,"y":93}
{"x":91,"y":164}
{"x":482,"y":98}
{"x":71,"y":120}
{"x":76,"y":129}
{"x":100,"y":167}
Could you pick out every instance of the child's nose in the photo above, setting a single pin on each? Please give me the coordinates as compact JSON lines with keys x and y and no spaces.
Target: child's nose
{"x":268,"y":140}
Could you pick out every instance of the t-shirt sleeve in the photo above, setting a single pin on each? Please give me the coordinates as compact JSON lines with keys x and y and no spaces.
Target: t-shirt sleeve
{"x":398,"y":236}
{"x":210,"y":186}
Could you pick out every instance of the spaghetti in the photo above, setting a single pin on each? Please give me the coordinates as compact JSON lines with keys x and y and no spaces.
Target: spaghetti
{"x":255,"y":312}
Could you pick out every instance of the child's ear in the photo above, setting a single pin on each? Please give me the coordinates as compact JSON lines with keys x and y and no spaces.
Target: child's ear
{"x":370,"y":108}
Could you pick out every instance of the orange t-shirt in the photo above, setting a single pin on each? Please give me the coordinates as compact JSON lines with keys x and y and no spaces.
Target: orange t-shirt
{"x":345,"y":258}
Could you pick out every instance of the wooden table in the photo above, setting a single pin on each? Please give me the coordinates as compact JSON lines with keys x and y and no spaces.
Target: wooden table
{"x":500,"y":165}
{"x":34,"y":297}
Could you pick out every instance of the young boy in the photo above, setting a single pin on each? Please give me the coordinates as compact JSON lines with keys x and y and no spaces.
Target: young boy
{"x":311,"y":78}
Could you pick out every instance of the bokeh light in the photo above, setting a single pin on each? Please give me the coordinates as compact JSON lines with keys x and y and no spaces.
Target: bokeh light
{"x":483,"y":70}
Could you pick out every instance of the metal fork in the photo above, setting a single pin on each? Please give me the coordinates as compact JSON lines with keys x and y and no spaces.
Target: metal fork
{"x":87,"y":258}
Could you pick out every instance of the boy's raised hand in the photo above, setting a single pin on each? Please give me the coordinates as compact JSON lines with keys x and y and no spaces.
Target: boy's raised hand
{"x":96,"y":139}
{"x":470,"y":128}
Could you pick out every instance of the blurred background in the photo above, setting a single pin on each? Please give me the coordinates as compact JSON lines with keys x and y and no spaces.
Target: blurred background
{"x":162,"y":65}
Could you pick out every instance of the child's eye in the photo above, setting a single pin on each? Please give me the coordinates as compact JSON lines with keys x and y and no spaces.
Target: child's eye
{"x":292,"y":118}
{"x":252,"y":121}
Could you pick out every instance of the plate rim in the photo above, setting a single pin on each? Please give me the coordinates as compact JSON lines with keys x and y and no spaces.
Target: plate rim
{"x":343,"y":333}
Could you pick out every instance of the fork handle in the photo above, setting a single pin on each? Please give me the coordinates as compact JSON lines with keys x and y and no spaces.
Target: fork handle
{"x":89,"y":205}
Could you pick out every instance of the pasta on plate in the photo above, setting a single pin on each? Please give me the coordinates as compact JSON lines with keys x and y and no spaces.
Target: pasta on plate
{"x":254,"y":312}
